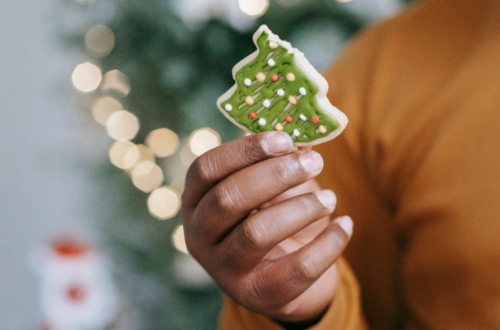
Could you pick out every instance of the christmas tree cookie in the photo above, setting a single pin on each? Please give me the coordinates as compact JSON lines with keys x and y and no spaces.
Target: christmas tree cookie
{"x":277,"y":89}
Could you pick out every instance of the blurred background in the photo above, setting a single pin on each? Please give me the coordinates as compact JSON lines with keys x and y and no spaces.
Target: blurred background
{"x":105,"y":103}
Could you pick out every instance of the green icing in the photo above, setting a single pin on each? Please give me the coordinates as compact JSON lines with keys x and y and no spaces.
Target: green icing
{"x":280,"y":106}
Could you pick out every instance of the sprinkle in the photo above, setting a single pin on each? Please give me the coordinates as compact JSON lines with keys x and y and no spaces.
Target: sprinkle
{"x":292,"y":99}
{"x":249,"y":100}
{"x":262,"y":121}
{"x":228,"y":107}
{"x":278,"y":127}
{"x":271,"y":62}
{"x":303,"y":117}
{"x":302,"y":91}
{"x":275,"y":77}
{"x":248,"y":82}
{"x":273,"y":45}
{"x":260,"y":77}
{"x":296,"y":132}
{"x":267,"y":103}
{"x":281,"y":92}
{"x":253,"y":115}
{"x":322,"y":129}
{"x":290,"y":77}
{"x":288,"y":119}
{"x":315,"y":120}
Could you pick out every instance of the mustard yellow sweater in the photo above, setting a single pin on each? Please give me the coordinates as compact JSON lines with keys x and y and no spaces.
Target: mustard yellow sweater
{"x":418,"y":169}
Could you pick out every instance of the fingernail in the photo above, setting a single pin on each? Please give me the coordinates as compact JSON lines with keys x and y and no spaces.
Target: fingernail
{"x":327,"y":198}
{"x":346,"y":224}
{"x":278,"y":143}
{"x":311,"y":161}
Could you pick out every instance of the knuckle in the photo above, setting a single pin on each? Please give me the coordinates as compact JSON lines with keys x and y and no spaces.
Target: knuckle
{"x":224,"y":200}
{"x":281,"y":171}
{"x":202,"y":169}
{"x":252,"y":150}
{"x":250,"y":237}
{"x":303,"y":270}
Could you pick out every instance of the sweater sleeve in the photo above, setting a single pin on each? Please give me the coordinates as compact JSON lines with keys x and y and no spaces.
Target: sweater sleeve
{"x":349,"y":82}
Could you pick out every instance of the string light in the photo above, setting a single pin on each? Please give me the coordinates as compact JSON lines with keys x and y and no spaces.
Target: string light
{"x":203,"y":140}
{"x":117,"y":81}
{"x":147,"y":176}
{"x":118,"y":152}
{"x":186,"y":156}
{"x":163,"y":142}
{"x":86,"y":77}
{"x":122,"y":125}
{"x":253,"y":8}
{"x":100,"y":40}
{"x":178,"y":239}
{"x":104,"y":107}
{"x":164,"y":203}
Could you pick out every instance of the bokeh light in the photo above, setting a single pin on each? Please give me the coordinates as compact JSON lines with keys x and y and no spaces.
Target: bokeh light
{"x":147,"y":176}
{"x":122,"y":125}
{"x":118,"y":152}
{"x":164,"y":203}
{"x":136,"y":154}
{"x":203,"y":140}
{"x":100,"y":40}
{"x":178,"y":240}
{"x":86,"y":77}
{"x":178,"y":183}
{"x":253,"y":8}
{"x":163,"y":142}
{"x":116,"y":81}
{"x":104,"y":107}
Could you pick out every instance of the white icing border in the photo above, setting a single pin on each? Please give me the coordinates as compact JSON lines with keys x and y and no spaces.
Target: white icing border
{"x":306,"y":67}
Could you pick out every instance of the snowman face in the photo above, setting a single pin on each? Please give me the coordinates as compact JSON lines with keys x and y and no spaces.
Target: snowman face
{"x":77,"y":292}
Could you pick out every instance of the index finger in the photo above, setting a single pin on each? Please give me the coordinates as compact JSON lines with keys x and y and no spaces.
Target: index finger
{"x":217,"y":164}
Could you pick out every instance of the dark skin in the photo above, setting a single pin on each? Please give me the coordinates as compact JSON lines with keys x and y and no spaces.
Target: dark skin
{"x":255,"y":219}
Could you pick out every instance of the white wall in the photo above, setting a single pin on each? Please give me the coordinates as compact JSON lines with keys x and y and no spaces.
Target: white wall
{"x":43,"y":184}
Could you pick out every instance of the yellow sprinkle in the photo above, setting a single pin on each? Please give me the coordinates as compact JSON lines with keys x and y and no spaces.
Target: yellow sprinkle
{"x":273,"y":45}
{"x":290,"y":77}
{"x":249,"y":100}
{"x":260,"y":76}
{"x":322,"y":129}
{"x":278,"y":127}
{"x":292,"y":99}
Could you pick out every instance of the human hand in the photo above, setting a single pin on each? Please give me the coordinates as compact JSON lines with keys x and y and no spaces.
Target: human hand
{"x":256,"y":221}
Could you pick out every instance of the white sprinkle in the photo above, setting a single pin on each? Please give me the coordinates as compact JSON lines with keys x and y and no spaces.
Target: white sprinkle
{"x":271,"y":62}
{"x":267,"y":103}
{"x":296,"y":132}
{"x":262,"y":121}
{"x":248,"y":82}
{"x":281,"y":92}
{"x":302,"y":91}
{"x":228,"y":107}
{"x":304,"y":118}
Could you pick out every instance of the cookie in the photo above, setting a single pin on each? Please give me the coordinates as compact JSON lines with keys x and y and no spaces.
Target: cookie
{"x":277,"y":89}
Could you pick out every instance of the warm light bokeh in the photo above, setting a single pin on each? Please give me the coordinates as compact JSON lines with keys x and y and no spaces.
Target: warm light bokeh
{"x":178,"y":240}
{"x":203,"y":140}
{"x":116,"y":81}
{"x":122,"y":125}
{"x":86,"y":77}
{"x":147,"y":176}
{"x":164,"y":203}
{"x":100,"y":40}
{"x":104,"y":107}
{"x":253,"y":8}
{"x":163,"y":142}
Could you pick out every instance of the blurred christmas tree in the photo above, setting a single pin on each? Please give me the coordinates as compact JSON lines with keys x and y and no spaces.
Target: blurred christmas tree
{"x":166,"y":62}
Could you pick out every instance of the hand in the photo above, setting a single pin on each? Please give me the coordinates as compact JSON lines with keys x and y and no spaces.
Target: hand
{"x":256,"y":221}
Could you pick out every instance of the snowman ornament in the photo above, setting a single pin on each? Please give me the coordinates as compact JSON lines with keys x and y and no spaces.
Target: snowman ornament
{"x":77,"y":291}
